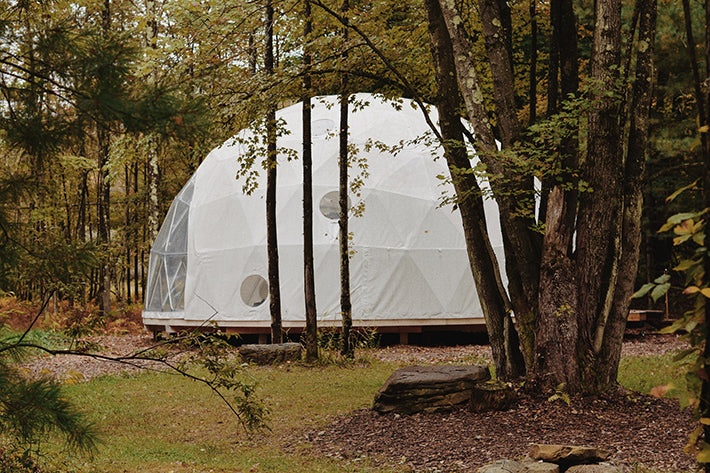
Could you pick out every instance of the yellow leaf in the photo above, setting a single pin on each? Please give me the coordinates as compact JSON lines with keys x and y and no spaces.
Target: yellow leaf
{"x":705,"y":421}
{"x":706,"y":292}
{"x":691,"y":290}
{"x":704,"y":129}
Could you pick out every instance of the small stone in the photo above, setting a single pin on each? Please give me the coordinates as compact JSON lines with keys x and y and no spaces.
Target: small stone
{"x":503,"y":466}
{"x":534,"y":466}
{"x":594,"y":469}
{"x":567,"y":454}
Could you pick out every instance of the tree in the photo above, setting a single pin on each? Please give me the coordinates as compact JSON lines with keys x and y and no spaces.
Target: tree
{"x":271,"y":165}
{"x":568,"y":286}
{"x":345,"y":304}
{"x":308,"y":276}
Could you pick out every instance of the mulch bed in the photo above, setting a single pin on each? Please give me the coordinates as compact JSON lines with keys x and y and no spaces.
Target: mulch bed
{"x":637,"y":430}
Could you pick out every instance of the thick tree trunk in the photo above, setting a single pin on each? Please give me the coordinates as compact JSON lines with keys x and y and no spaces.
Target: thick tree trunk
{"x":600,"y":215}
{"x":347,"y":348}
{"x":311,"y":338}
{"x":271,"y":238}
{"x":557,"y":327}
{"x":496,"y":309}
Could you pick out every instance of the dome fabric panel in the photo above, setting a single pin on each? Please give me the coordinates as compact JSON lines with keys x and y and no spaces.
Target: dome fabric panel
{"x":409,"y":260}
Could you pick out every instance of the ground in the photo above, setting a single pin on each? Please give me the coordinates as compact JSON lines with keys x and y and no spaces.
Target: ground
{"x":636,"y":428}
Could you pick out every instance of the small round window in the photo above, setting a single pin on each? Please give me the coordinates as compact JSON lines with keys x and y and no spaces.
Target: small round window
{"x":330,"y":206}
{"x":254,"y":290}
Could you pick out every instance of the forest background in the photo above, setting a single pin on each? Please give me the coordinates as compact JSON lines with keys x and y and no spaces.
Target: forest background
{"x":109,"y":106}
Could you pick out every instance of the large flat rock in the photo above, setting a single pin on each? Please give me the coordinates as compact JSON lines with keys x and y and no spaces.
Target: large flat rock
{"x":428,"y":388}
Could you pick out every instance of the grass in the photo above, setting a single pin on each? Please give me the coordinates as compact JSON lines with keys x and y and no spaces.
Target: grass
{"x":162,"y":423}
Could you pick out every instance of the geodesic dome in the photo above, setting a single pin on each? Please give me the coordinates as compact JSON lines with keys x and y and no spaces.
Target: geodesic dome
{"x":409,"y":265}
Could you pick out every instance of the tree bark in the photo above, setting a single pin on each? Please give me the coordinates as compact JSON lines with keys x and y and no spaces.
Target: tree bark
{"x":347,"y":348}
{"x":557,"y":327}
{"x":311,"y":338}
{"x":609,"y":336}
{"x":532,"y":90}
{"x":507,"y":356}
{"x":523,"y":256}
{"x":271,"y":156}
{"x":600,"y":214}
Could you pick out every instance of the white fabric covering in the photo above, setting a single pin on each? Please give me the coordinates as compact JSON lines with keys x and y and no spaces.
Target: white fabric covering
{"x":409,"y":260}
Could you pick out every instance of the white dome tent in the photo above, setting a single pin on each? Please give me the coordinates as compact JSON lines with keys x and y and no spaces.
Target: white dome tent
{"x":409,"y":266}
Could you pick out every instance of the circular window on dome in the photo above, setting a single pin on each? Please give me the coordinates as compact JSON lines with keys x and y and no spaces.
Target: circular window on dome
{"x":254,"y":290}
{"x":322,"y":127}
{"x":330,"y":206}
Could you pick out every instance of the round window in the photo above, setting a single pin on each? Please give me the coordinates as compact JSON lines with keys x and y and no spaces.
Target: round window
{"x":330,"y":206}
{"x":254,"y":290}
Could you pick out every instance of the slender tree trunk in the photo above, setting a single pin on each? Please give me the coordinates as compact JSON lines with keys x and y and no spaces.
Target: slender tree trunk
{"x":104,"y":225}
{"x":271,"y":156}
{"x":507,"y":356}
{"x":103,"y":191}
{"x":127,"y":232}
{"x":522,"y":245}
{"x":347,"y":348}
{"x":153,"y":164}
{"x":136,"y":238}
{"x":609,"y":336}
{"x":311,"y":338}
{"x":532,"y":91}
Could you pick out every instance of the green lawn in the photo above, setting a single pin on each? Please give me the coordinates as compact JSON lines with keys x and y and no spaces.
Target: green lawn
{"x":153,"y":422}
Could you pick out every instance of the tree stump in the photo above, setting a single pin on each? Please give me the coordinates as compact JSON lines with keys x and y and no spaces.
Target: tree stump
{"x":492,"y":396}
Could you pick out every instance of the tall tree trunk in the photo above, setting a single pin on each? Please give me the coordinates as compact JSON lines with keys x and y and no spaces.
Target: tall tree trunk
{"x":523,"y":252}
{"x":532,"y":90}
{"x":507,"y":356}
{"x":309,"y":289}
{"x":609,"y":336}
{"x":347,"y":348}
{"x":127,"y":232}
{"x":103,"y":194}
{"x":557,"y":328}
{"x":601,"y":211}
{"x":137,"y":243}
{"x":271,"y":157}
{"x":153,"y":165}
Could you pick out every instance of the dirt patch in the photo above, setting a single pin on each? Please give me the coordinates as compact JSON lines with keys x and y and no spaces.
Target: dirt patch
{"x":636,"y":429}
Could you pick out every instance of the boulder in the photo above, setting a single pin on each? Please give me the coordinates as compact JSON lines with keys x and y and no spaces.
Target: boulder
{"x":428,"y":388}
{"x":270,"y":354}
{"x":602,"y":468}
{"x":566,"y":455}
{"x":492,"y":396}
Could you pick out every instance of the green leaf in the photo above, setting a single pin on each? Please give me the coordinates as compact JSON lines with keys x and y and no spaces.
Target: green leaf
{"x":660,"y":291}
{"x":643,"y":291}
{"x":692,"y":185}
{"x":686,"y":264}
{"x":662,"y":279}
{"x":699,"y":238}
